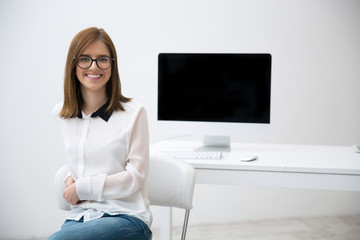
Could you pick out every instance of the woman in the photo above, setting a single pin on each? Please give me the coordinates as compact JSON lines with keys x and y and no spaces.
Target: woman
{"x":107,"y":146}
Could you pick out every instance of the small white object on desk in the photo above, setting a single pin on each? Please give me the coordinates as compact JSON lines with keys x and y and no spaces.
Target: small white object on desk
{"x":248,"y":158}
{"x":356,"y":148}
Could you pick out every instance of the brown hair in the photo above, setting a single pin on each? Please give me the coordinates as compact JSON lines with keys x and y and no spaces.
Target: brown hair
{"x":72,"y":95}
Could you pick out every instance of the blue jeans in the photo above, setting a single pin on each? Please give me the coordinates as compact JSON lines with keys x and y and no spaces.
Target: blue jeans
{"x":119,"y":227}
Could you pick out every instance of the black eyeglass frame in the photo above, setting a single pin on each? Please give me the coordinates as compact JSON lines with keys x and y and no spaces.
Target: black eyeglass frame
{"x":95,"y":60}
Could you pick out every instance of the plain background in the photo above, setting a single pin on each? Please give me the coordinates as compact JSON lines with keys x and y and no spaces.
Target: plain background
{"x":315,"y":91}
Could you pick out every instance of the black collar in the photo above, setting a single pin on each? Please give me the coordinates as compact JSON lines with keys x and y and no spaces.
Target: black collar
{"x":101,"y":112}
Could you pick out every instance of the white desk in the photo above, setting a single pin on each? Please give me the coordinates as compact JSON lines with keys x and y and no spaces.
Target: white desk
{"x":278,"y":165}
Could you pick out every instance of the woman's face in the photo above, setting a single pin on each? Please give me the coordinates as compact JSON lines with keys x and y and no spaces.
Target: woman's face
{"x":93,"y":78}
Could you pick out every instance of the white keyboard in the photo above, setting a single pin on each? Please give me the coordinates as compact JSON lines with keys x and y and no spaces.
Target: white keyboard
{"x":181,"y":154}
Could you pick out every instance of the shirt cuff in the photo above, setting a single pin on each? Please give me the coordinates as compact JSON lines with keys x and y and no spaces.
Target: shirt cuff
{"x":91,"y":188}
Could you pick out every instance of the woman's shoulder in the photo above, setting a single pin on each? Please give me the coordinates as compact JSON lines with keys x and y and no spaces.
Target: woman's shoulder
{"x":57,"y":108}
{"x":133,"y":106}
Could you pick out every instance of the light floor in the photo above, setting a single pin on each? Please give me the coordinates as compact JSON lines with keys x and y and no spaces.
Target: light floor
{"x":320,"y":228}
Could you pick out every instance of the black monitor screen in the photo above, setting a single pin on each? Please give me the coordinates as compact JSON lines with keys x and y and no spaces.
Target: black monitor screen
{"x":214,"y":87}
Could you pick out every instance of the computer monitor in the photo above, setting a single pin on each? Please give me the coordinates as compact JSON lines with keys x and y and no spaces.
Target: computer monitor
{"x":214,"y":94}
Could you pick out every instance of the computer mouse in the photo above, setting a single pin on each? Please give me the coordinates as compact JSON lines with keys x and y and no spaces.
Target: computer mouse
{"x":248,"y":158}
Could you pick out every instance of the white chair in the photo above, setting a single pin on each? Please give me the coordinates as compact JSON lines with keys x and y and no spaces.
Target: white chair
{"x":171,"y":183}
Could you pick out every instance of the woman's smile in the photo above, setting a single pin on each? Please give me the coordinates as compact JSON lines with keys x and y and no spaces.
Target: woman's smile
{"x":93,"y":76}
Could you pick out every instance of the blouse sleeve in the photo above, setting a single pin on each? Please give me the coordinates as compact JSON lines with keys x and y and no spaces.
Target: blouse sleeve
{"x":125,"y":183}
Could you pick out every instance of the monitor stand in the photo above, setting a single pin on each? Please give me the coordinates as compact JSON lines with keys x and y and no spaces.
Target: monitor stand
{"x":215,"y":144}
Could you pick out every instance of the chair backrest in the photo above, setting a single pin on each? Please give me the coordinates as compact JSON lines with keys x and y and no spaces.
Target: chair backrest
{"x":170,"y":183}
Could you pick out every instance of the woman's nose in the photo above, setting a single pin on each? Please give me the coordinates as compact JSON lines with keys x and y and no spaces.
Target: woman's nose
{"x":93,"y":65}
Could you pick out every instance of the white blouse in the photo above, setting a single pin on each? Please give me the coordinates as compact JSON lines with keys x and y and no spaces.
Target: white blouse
{"x":109,"y":161}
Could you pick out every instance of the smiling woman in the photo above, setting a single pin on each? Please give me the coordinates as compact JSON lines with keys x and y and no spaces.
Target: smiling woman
{"x":107,"y":147}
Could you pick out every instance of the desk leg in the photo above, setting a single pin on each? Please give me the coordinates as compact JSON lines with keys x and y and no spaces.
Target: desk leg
{"x":166,"y":223}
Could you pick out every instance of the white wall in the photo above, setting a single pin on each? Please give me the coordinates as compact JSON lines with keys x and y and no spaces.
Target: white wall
{"x":315,"y":48}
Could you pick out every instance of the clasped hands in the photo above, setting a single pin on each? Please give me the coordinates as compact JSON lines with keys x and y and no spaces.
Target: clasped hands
{"x":70,"y":194}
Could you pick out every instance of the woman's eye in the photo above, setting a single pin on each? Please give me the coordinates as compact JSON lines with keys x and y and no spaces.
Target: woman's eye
{"x":103,"y":59}
{"x":84,"y":59}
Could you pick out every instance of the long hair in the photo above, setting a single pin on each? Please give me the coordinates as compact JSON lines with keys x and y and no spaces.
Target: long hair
{"x":73,"y":100}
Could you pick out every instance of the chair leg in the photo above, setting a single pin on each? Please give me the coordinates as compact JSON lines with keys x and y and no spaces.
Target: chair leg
{"x":186,"y":220}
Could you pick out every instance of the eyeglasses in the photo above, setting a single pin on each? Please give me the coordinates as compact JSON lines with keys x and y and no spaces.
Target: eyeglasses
{"x":103,"y":63}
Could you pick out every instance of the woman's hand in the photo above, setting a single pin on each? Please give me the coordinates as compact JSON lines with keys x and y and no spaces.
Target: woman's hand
{"x":70,"y":194}
{"x":69,"y":181}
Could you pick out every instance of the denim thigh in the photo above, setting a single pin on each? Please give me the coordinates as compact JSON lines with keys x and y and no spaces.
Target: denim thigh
{"x":119,"y":227}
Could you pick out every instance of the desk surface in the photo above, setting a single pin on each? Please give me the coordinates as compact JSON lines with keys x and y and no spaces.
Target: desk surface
{"x":278,"y":165}
{"x":276,"y":157}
